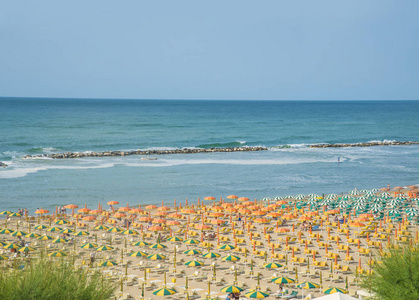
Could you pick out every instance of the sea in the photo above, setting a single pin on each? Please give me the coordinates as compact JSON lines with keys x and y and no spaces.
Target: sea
{"x":287,"y":128}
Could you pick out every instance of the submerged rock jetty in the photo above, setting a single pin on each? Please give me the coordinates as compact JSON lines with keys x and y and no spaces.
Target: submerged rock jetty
{"x":367,"y":144}
{"x":144,"y":152}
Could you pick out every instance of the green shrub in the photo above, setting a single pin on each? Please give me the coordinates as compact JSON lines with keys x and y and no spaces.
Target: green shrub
{"x":51,"y":279}
{"x":397,"y":277}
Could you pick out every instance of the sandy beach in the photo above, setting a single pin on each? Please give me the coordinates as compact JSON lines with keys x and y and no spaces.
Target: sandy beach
{"x":200,"y":248}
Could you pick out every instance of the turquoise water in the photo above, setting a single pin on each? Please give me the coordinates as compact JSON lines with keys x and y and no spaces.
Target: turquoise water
{"x":289,"y":167}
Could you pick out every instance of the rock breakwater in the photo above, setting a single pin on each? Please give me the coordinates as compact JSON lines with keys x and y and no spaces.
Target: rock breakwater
{"x":366,"y":144}
{"x":144,"y":152}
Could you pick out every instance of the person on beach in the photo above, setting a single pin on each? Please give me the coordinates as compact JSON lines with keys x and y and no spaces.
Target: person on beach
{"x":92,"y":257}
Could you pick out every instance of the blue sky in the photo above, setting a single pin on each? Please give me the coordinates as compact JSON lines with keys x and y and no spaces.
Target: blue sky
{"x":268,"y":50}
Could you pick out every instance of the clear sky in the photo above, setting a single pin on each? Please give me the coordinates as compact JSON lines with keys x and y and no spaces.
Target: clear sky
{"x":210,"y":49}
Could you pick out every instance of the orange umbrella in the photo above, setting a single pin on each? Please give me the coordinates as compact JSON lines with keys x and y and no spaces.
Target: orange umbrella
{"x":281,"y":202}
{"x":273,"y":214}
{"x":189,"y":211}
{"x":231,"y":210}
{"x":163,"y":208}
{"x":217,"y":214}
{"x":89,"y":218}
{"x":95,"y":212}
{"x":175,"y":216}
{"x":304,"y":218}
{"x":209,"y":198}
{"x":159,"y":221}
{"x":145,"y":219}
{"x":247,"y":203}
{"x":357,"y":224}
{"x":43,"y":211}
{"x":84,"y":210}
{"x":227,"y":204}
{"x":259,"y":213}
{"x":113,"y":202}
{"x":288,"y":216}
{"x":203,"y":227}
{"x":119,"y":215}
{"x":218,"y":208}
{"x":282,"y":230}
{"x":136,"y":210}
{"x":161,"y":213}
{"x":232,"y":197}
{"x":366,"y":215}
{"x":243,"y":199}
{"x":312,"y":213}
{"x":261,"y":220}
{"x":173,"y":223}
{"x":149,"y":207}
{"x":216,"y":221}
{"x":155,"y":228}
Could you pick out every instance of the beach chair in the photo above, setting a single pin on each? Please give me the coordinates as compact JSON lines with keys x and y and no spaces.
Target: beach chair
{"x":292,"y":295}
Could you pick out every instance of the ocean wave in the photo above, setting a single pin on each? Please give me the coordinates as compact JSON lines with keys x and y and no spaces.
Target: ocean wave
{"x":46,"y":150}
{"x":222,"y":145}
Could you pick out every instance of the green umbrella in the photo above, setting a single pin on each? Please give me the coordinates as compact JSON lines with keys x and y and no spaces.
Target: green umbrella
{"x":282,"y":280}
{"x":104,"y":248}
{"x":129,"y":232}
{"x":19,"y":233}
{"x":138,"y":253}
{"x":164,"y":292}
{"x":191,"y":241}
{"x":231,"y":289}
{"x":81,"y":232}
{"x":272,"y":266}
{"x":59,"y":240}
{"x":2,"y":257}
{"x":52,"y":229}
{"x":256,"y":294}
{"x":40,"y":227}
{"x":11,"y":246}
{"x":6,"y":212}
{"x":88,"y":246}
{"x":101,"y":227}
{"x":57,"y":254}
{"x":32,"y":235}
{"x":230,"y":258}
{"x":333,"y":290}
{"x":114,"y":229}
{"x":192,"y":252}
{"x":175,"y":239}
{"x":107,"y":263}
{"x":141,"y":243}
{"x":15,"y":215}
{"x":308,"y":285}
{"x":211,"y":255}
{"x":45,"y":237}
{"x":67,"y":230}
{"x":194,"y":263}
{"x":25,"y":249}
{"x":158,"y":246}
{"x":61,"y":222}
{"x":156,"y":256}
{"x":6,"y":231}
{"x":226,"y":247}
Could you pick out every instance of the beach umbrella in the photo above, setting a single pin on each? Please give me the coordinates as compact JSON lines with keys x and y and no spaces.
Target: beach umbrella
{"x":164,"y":292}
{"x":45,"y":238}
{"x":333,"y":290}
{"x":272,"y":266}
{"x":192,"y":252}
{"x":194,"y":263}
{"x":175,"y":239}
{"x":155,"y":228}
{"x":191,"y":242}
{"x":104,"y":248}
{"x":141,"y":243}
{"x":32,"y":235}
{"x":231,"y":289}
{"x":150,"y":207}
{"x":114,"y":229}
{"x":66,"y":230}
{"x":210,"y":198}
{"x":25,"y":249}
{"x":6,"y":212}
{"x":81,"y":232}
{"x":2,"y":257}
{"x":107,"y":263}
{"x":88,"y":246}
{"x":19,"y":233}
{"x":211,"y":255}
{"x":101,"y":227}
{"x":308,"y":285}
{"x":138,"y":253}
{"x":129,"y":232}
{"x":282,"y":280}
{"x":54,"y":229}
{"x":230,"y":258}
{"x":59,"y":240}
{"x":156,"y":257}
{"x":61,"y":222}
{"x":173,"y":223}
{"x":57,"y":254}
{"x":11,"y":246}
{"x":158,"y":246}
{"x":226,"y":247}
{"x":40,"y":227}
{"x":256,"y":294}
{"x":113,"y":202}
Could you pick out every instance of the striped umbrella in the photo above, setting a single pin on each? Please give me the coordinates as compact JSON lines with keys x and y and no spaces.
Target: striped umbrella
{"x":114,"y":229}
{"x":11,"y":246}
{"x":175,"y":239}
{"x":308,"y":285}
{"x":101,"y":227}
{"x":191,"y":241}
{"x":81,"y":232}
{"x":14,"y":214}
{"x":156,"y":257}
{"x":164,"y":292}
{"x":282,"y":280}
{"x":53,"y":229}
{"x":107,"y":263}
{"x":104,"y":248}
{"x":59,"y":240}
{"x":192,"y":252}
{"x":272,"y":266}
{"x":6,"y":231}
{"x":226,"y":247}
{"x":67,"y":230}
{"x":158,"y":246}
{"x":211,"y":255}
{"x":129,"y":232}
{"x":40,"y":227}
{"x":6,"y":212}
{"x":88,"y":246}
{"x":25,"y":249}
{"x":19,"y":233}
{"x":138,"y":253}
{"x":45,"y":238}
{"x":230,"y":258}
{"x":194,"y":263}
{"x":61,"y":222}
{"x":141,"y":243}
{"x":57,"y":254}
{"x":256,"y":294}
{"x":2,"y":257}
{"x":231,"y":289}
{"x":333,"y":290}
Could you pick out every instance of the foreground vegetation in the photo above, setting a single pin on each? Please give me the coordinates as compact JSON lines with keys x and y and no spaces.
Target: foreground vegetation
{"x":397,"y":277}
{"x":54,"y":279}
